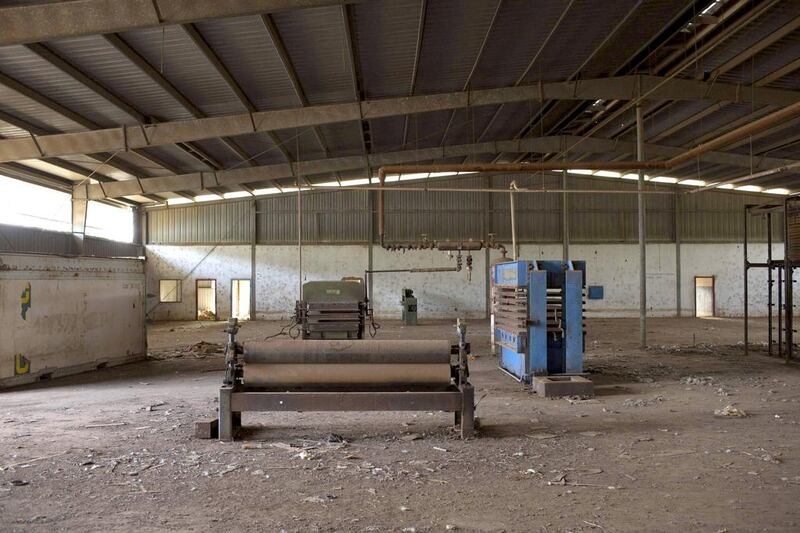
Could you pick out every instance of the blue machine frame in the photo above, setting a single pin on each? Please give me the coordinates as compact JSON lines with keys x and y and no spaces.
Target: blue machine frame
{"x":540,"y":317}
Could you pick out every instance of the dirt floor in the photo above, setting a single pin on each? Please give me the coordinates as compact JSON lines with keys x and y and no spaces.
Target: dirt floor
{"x":114,"y":450}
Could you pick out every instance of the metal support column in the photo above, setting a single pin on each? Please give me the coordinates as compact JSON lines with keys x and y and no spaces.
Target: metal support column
{"x":564,"y":216}
{"x":80,"y":207}
{"x":642,"y":236}
{"x":370,"y":243}
{"x":513,"y":224}
{"x":299,"y":241}
{"x":487,"y":222}
{"x":780,"y":310}
{"x":746,"y":266}
{"x":769,"y":282}
{"x":787,"y":276}
{"x":678,"y":217}
{"x":253,"y":241}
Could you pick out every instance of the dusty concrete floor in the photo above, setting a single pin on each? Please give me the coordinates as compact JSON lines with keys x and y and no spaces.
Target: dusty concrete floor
{"x":114,"y":451}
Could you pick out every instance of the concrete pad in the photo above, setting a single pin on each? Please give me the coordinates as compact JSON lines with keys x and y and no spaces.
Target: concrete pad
{"x":559,"y":386}
{"x":207,"y":428}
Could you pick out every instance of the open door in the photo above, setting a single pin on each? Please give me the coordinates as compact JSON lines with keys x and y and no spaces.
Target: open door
{"x":240,"y":299}
{"x":206,"y":299}
{"x":704,"y":296}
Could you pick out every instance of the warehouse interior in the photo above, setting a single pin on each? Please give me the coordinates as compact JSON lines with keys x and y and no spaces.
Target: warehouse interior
{"x":402,"y":265}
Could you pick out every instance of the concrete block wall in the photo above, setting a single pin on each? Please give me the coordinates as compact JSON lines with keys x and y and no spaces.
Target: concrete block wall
{"x":65,"y":315}
{"x":450,"y":294}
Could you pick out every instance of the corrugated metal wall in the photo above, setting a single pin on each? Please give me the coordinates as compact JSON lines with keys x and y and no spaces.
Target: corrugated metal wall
{"x":18,"y":239}
{"x":222,"y":222}
{"x":328,"y":217}
{"x":343,"y":217}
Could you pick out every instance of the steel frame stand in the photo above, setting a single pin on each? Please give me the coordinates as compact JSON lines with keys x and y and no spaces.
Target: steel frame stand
{"x":233,"y":400}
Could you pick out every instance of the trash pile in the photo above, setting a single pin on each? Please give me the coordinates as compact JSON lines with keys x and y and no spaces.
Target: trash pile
{"x":199,"y":350}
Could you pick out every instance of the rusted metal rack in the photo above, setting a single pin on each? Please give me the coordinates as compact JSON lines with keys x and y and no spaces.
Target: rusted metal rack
{"x":779,"y":271}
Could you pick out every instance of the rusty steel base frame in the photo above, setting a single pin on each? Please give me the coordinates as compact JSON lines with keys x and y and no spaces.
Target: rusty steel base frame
{"x":235,"y":400}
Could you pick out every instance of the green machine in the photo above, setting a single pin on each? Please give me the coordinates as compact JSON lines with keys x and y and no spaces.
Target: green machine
{"x":409,"y":303}
{"x":333,"y":309}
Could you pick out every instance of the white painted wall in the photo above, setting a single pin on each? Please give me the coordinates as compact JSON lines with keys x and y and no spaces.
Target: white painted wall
{"x":439,"y":294}
{"x":449,"y":294}
{"x":83,"y":312}
{"x":190,"y":263}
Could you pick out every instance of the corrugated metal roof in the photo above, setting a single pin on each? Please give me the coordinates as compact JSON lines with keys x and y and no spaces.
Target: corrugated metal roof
{"x":385,"y":40}
{"x":386,"y":34}
{"x":748,"y":36}
{"x":453,"y":35}
{"x":243,"y":45}
{"x":580,"y":33}
{"x":29,"y":69}
{"x":175,"y":56}
{"x":31,"y":112}
{"x":502,"y":64}
{"x":315,"y":41}
{"x":96,"y":57}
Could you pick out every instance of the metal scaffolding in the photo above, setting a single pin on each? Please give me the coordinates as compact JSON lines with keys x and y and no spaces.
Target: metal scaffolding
{"x":778,"y":270}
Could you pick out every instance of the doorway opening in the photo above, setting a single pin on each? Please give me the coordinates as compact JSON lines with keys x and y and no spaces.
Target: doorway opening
{"x":206,"y":299}
{"x":240,"y":299}
{"x":704,"y":305}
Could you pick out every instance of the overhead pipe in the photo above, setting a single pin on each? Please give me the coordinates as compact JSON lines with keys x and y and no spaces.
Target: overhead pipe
{"x":748,"y":177}
{"x":512,"y":190}
{"x":723,"y":140}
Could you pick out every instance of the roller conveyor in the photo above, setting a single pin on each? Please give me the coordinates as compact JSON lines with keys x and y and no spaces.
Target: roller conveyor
{"x":346,"y":375}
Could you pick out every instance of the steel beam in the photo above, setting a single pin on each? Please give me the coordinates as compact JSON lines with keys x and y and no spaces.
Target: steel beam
{"x":291,"y":73}
{"x":355,"y":75}
{"x":475,"y":63}
{"x":90,"y":83}
{"x":158,"y":78}
{"x":755,"y":48}
{"x":203,"y":180}
{"x":423,"y":10}
{"x":621,"y":88}
{"x":58,"y":20}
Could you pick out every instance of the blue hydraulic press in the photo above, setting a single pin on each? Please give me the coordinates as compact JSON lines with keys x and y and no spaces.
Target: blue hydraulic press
{"x":539,"y":317}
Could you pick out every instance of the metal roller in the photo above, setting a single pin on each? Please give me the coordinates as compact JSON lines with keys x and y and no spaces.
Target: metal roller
{"x":294,"y":375}
{"x":347,"y":352}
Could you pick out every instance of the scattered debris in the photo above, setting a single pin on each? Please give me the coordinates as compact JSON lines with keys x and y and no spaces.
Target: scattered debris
{"x":152,"y":407}
{"x":638,"y":402}
{"x":325,"y":498}
{"x":10,"y":465}
{"x":335,"y":437}
{"x":200,"y":350}
{"x":438,"y":449}
{"x":227,"y":470}
{"x":408,"y":437}
{"x":730,"y":411}
{"x":673,"y":453}
{"x":19,"y":482}
{"x":306,"y":456}
{"x":590,"y":524}
{"x":543,"y":436}
{"x":109,"y":425}
{"x":697,"y":380}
